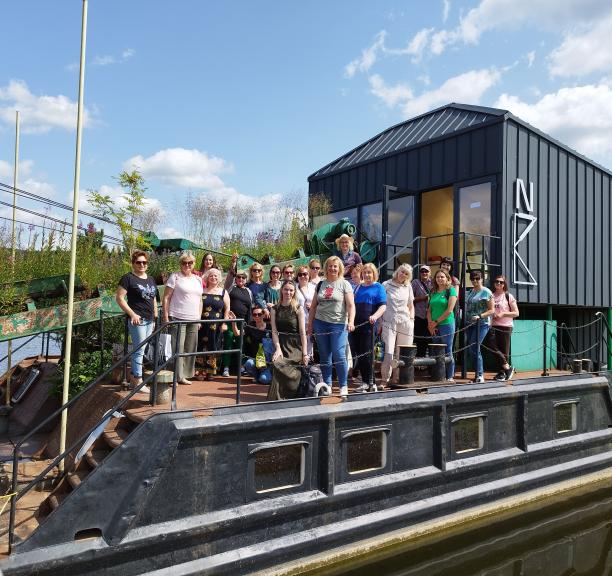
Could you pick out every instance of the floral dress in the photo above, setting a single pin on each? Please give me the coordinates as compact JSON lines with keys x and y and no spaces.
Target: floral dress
{"x":211,"y":337}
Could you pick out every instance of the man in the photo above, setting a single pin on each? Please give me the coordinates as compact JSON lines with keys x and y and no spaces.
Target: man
{"x":288,"y":272}
{"x":421,"y":287}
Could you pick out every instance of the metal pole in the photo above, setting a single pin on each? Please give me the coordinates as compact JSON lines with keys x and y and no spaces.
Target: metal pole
{"x":239,"y":376}
{"x":544,"y":368}
{"x":372,"y":359}
{"x":477,"y":351}
{"x":609,"y":336}
{"x":462,"y":338}
{"x":126,"y":333}
{"x":9,"y":359}
{"x":176,"y":347}
{"x":73,"y":244}
{"x":101,"y":334}
{"x":153,"y":398}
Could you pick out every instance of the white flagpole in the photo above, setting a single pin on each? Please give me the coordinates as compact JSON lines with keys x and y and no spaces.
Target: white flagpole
{"x":9,"y":356}
{"x":73,"y":244}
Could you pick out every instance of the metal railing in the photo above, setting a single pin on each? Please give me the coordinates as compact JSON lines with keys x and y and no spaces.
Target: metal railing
{"x":151,"y":378}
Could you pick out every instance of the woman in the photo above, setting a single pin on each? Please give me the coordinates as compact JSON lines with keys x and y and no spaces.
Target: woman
{"x":398,"y":320}
{"x":345,"y":251}
{"x":479,"y":309}
{"x":183,"y":301}
{"x":314,"y":267}
{"x":290,"y":349}
{"x":241,"y":302}
{"x":272,"y":290}
{"x":370,"y":305}
{"x":356,"y":276}
{"x":421,"y":287}
{"x":257,"y":335}
{"x":332,"y":316}
{"x":215,"y":306}
{"x":256,"y":285}
{"x":305,"y":294}
{"x":141,"y":309}
{"x":498,"y":341}
{"x":440,"y":317}
{"x":208,"y":262}
{"x":446,"y":264}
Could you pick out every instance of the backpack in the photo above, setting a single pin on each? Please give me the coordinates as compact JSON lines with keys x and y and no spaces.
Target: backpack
{"x":311,"y":376}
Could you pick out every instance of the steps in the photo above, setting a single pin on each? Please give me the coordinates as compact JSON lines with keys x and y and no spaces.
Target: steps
{"x":49,"y":494}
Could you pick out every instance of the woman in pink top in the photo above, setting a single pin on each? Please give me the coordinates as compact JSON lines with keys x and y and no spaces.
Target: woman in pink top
{"x":183,"y":301}
{"x":498,"y":338}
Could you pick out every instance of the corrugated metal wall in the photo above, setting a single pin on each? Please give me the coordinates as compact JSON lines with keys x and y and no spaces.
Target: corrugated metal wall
{"x":569,"y":251}
{"x":460,"y":157}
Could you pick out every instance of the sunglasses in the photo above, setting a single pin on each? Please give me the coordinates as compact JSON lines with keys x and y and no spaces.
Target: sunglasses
{"x":424,"y":271}
{"x":472,"y":278}
{"x":301,"y":274}
{"x":191,"y":263}
{"x":500,"y":281}
{"x":240,"y":277}
{"x":315,"y":267}
{"x":256,"y":314}
{"x":275,"y":272}
{"x":257,"y":270}
{"x":141,"y":262}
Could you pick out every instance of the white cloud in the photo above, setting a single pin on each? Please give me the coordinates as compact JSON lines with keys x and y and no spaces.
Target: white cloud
{"x":579,"y":116}
{"x":38,"y":114}
{"x":467,"y":87}
{"x":446,"y":5}
{"x":390,"y":95}
{"x":183,"y":168}
{"x":26,"y":180}
{"x":108,"y":59}
{"x":6,"y":169}
{"x":552,"y":15}
{"x":171,"y":232}
{"x":368,"y":56}
{"x":530,"y":58}
{"x":584,"y":52}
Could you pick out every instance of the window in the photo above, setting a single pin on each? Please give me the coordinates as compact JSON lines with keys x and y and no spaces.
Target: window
{"x":278,"y":467}
{"x":467,"y":433}
{"x":371,"y":221}
{"x":401,"y":228}
{"x":565,"y":416}
{"x":366,"y":451}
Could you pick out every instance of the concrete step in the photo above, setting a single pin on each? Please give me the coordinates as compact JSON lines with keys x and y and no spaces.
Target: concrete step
{"x":95,"y":456}
{"x":75,"y":478}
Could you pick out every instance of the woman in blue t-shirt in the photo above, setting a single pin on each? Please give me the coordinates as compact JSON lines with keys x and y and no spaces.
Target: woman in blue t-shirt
{"x":479,"y":309}
{"x":370,"y":305}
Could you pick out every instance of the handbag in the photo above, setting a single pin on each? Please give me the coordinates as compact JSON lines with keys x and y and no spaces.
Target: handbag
{"x":164,"y":349}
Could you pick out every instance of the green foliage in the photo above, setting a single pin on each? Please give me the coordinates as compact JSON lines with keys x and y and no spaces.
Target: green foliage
{"x":124,"y":214}
{"x":82,"y":372}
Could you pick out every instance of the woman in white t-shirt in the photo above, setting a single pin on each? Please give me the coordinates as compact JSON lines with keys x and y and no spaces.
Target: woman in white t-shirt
{"x":498,"y":339}
{"x":183,"y":301}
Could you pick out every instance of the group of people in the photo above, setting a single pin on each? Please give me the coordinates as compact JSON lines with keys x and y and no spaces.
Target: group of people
{"x":340,"y":306}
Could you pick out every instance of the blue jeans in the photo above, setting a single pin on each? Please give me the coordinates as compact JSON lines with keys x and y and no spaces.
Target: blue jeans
{"x":261,"y":375}
{"x":332,"y":340}
{"x":475,"y":336}
{"x":446,"y":335}
{"x":139,"y":333}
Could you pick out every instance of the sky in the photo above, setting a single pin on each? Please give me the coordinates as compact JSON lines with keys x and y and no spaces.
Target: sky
{"x":242,"y":100}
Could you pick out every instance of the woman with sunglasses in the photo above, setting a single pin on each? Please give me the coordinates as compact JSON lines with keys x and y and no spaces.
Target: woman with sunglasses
{"x":498,"y":339}
{"x":141,"y":309}
{"x":241,"y":301}
{"x":305,"y":294}
{"x":314,"y":268}
{"x":256,"y":335}
{"x":215,"y":306}
{"x":290,"y":347}
{"x":256,"y":285}
{"x":183,"y":301}
{"x":440,"y":317}
{"x":272,"y":290}
{"x":479,"y":309}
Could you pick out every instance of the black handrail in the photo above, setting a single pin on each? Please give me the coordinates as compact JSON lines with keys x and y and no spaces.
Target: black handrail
{"x":17,"y":495}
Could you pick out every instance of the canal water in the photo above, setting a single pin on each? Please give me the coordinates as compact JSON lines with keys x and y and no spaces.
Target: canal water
{"x":32,"y":348}
{"x":568,"y":537}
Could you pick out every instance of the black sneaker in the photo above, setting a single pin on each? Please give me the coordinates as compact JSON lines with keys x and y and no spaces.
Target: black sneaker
{"x":500,"y":376}
{"x":509,"y":373}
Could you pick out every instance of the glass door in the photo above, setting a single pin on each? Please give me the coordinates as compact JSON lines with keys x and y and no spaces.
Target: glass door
{"x":437,"y":219}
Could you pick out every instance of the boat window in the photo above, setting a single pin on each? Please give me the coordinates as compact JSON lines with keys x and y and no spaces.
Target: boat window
{"x":468,"y":434}
{"x":366,"y":451}
{"x":565,"y":416}
{"x":279,"y":467}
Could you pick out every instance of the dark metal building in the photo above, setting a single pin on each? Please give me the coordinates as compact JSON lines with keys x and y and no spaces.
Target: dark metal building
{"x":492,"y":191}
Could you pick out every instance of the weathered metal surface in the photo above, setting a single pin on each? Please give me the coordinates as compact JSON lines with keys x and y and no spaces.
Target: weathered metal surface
{"x":39,"y":287}
{"x":181,"y":496}
{"x":54,"y":318}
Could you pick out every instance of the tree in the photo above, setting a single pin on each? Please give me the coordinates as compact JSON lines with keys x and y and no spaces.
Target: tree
{"x":125,"y":211}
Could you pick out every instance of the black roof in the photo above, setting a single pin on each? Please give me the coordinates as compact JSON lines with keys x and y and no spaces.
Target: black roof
{"x":440,"y":122}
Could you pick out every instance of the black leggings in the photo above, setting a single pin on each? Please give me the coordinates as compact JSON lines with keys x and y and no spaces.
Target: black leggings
{"x":420,"y":336}
{"x":498,"y":341}
{"x":361,"y":346}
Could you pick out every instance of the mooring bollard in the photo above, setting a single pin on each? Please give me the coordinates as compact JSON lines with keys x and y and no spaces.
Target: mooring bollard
{"x":576,"y":366}
{"x":586,"y":365}
{"x":164,"y":386}
{"x":407,"y":354}
{"x":437,"y":372}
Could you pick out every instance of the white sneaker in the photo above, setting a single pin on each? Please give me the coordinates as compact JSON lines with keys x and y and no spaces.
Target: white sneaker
{"x":450,"y":380}
{"x":226,"y":372}
{"x":479,"y":380}
{"x":344,"y":391}
{"x":144,"y":390}
{"x":362,"y":388}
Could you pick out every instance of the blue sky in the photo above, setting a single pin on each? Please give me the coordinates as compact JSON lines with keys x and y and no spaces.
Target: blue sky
{"x":244,"y":99}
